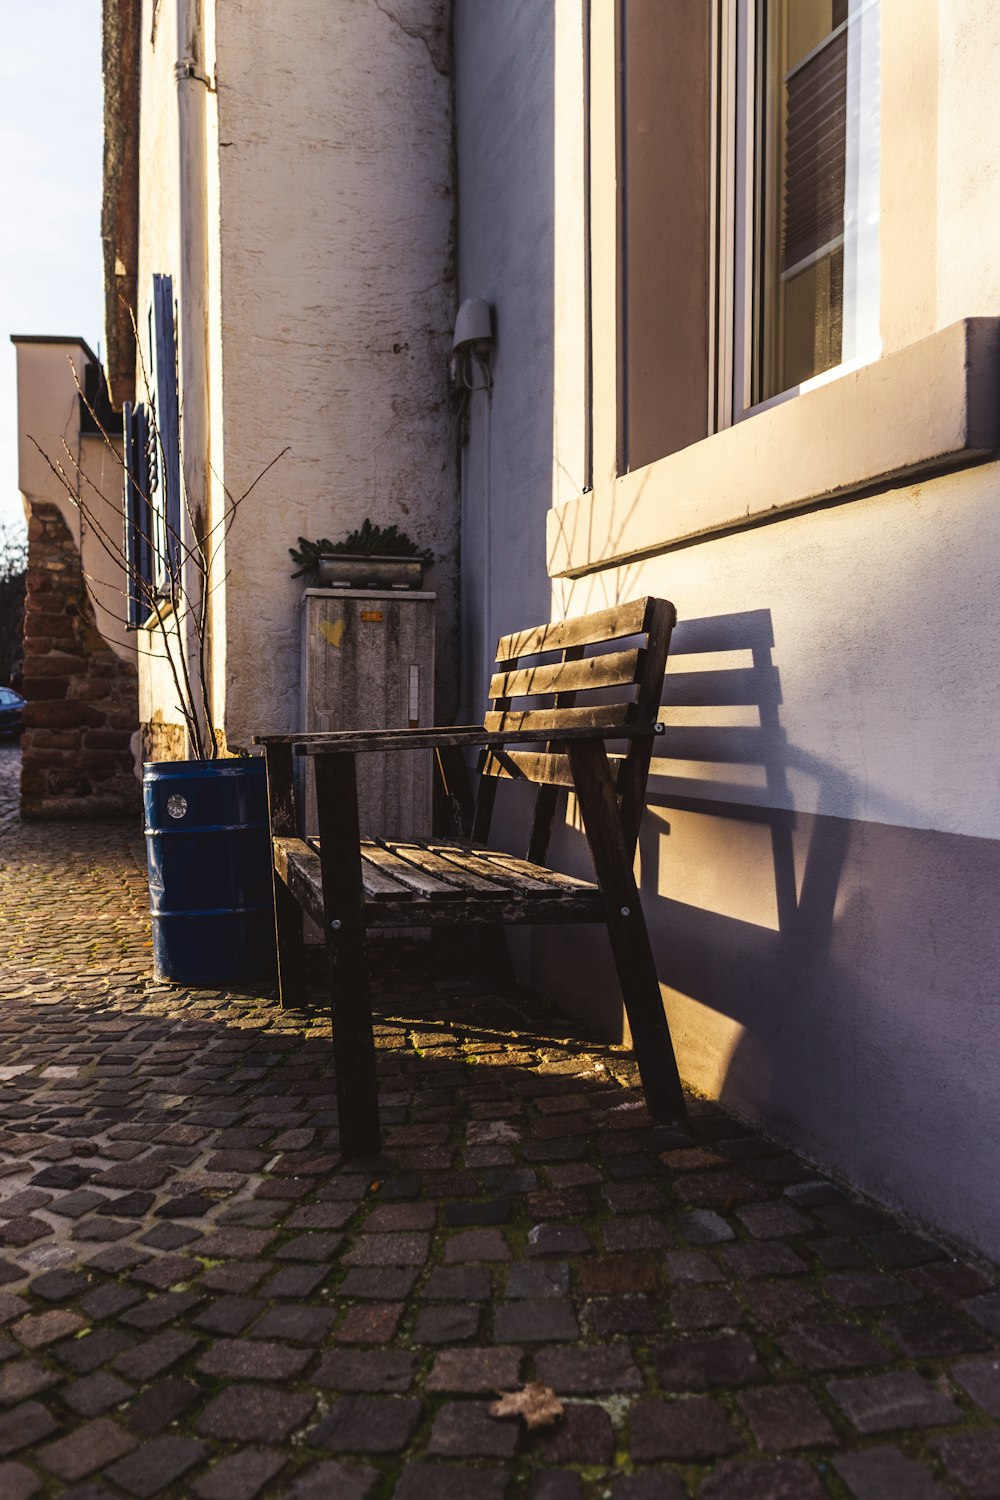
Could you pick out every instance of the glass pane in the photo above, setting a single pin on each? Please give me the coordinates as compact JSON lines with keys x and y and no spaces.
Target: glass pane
{"x":816,"y":189}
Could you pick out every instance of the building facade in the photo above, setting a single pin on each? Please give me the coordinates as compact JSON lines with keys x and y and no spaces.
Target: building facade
{"x":283,"y":177}
{"x":745,"y":354}
{"x":746,"y":315}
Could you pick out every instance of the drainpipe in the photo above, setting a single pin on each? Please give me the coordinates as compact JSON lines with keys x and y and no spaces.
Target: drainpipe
{"x":192,"y":291}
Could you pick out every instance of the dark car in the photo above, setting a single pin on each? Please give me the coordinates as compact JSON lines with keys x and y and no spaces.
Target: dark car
{"x":11,"y":711}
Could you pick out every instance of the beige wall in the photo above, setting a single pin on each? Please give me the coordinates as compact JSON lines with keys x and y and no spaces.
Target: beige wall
{"x":159,"y":252}
{"x":329,"y":307}
{"x":337,"y":300}
{"x":968,"y":161}
{"x":48,"y":411}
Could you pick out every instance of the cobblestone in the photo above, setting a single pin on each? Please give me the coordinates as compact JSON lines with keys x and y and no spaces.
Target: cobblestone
{"x":367,"y":1424}
{"x":198,"y":1298}
{"x":887,"y":1474}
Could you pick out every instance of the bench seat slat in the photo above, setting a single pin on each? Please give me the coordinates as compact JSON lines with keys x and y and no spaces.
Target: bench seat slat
{"x":526,"y":879}
{"x":378,"y":885}
{"x":421,"y":874}
{"x":435,"y":862}
{"x":417,"y":881}
{"x":537,"y":872}
{"x":299,"y":868}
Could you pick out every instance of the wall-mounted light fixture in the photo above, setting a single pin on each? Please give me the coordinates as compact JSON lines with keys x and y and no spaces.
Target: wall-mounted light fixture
{"x":472,"y":346}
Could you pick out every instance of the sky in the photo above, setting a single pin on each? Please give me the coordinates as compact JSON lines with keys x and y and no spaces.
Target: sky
{"x":51,"y":148}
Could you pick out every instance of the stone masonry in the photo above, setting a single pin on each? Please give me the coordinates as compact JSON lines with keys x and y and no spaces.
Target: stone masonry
{"x":82,"y":699}
{"x":199,"y":1298}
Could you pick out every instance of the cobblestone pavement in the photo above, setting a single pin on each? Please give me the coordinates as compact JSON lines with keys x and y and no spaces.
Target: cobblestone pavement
{"x":198,"y":1299}
{"x":10,"y":781}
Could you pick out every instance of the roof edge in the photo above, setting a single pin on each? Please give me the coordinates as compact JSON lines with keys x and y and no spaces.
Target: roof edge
{"x":55,"y":338}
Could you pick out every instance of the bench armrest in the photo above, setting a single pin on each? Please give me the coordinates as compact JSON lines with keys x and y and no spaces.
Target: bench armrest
{"x":358,"y":741}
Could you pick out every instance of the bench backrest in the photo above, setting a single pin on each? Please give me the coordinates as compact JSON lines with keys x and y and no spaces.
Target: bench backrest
{"x":614,"y":660}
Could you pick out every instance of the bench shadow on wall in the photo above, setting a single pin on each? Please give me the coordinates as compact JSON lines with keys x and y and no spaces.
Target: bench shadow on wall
{"x":740,"y":890}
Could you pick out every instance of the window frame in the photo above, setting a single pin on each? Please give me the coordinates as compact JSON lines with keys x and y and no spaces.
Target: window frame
{"x":738,"y":145}
{"x":928,"y":404}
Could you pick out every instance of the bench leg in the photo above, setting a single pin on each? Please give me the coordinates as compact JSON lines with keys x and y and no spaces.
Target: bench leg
{"x":630,"y":945}
{"x":291,"y":948}
{"x":287,"y":912}
{"x":344,"y":924}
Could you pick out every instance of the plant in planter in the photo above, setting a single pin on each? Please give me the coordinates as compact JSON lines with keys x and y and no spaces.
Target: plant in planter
{"x":207,"y":840}
{"x":370,"y":557}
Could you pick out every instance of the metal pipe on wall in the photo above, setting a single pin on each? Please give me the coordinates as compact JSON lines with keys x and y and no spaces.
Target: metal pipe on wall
{"x":193,"y":87}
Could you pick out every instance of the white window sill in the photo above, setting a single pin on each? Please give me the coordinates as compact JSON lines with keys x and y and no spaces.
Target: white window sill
{"x":930,"y":407}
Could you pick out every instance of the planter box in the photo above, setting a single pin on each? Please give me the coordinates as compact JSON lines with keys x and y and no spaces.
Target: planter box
{"x":346,"y":570}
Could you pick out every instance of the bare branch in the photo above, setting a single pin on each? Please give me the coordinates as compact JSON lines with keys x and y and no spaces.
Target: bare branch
{"x":184,"y":561}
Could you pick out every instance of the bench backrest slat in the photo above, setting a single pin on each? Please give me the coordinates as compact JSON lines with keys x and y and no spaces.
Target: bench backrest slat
{"x":549,"y":720}
{"x":616,"y":669}
{"x":619,"y":681}
{"x":585,"y":630}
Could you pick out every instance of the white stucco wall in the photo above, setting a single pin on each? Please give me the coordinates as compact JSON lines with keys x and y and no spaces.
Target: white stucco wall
{"x":159,"y":254}
{"x":337,"y":300}
{"x":968,"y":160}
{"x":329,"y":308}
{"x":823,"y":827}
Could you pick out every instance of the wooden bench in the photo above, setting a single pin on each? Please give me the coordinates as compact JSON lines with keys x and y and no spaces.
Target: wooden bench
{"x":350,"y":884}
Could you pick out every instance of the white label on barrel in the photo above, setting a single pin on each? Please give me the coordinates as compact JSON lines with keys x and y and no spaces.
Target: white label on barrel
{"x":177,"y":806}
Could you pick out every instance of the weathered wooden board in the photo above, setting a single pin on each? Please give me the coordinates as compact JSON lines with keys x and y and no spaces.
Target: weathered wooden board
{"x":416,"y":873}
{"x":457,"y":873}
{"x":368,"y":664}
{"x":616,"y":669}
{"x":505,"y":910}
{"x":346,"y":954}
{"x":627,"y":932}
{"x":537,"y":872}
{"x":586,"y":630}
{"x":524,"y":882}
{"x":299,"y":868}
{"x":287,"y":908}
{"x":553,"y":720}
{"x":596,"y":723}
{"x":408,"y":875}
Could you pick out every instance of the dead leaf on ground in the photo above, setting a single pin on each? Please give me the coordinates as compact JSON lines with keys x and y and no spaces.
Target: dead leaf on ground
{"x":538,"y":1404}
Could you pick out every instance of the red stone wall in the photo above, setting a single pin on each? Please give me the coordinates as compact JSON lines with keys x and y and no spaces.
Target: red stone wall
{"x":76,"y":759}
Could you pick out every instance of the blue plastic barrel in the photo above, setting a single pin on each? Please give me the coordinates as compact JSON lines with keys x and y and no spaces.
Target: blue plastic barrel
{"x":208,"y":848}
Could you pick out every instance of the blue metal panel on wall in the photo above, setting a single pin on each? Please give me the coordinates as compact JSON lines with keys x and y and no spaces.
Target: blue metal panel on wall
{"x":137,"y":513}
{"x":166,"y":484}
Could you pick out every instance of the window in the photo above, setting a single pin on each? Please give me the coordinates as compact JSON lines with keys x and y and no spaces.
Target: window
{"x":772,"y":181}
{"x":152,"y":464}
{"x":747,"y":172}
{"x":663,"y":66}
{"x":804,"y":140}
